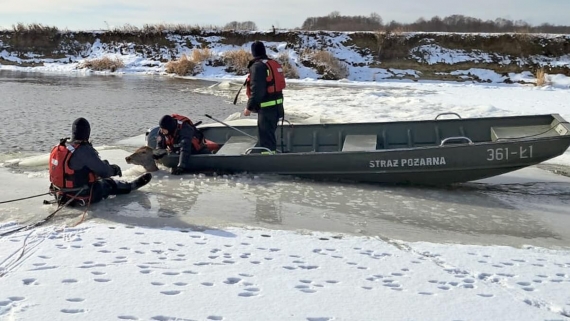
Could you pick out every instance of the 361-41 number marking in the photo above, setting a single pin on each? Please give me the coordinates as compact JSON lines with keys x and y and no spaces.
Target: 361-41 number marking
{"x":498,"y":154}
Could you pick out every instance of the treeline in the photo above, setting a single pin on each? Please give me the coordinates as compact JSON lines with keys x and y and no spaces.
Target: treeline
{"x":241,"y":25}
{"x":335,"y":22}
{"x":454,"y":23}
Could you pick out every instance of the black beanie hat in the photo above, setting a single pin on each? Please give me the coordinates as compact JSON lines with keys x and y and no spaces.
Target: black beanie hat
{"x":80,"y":130}
{"x":169,"y":123}
{"x":258,"y":49}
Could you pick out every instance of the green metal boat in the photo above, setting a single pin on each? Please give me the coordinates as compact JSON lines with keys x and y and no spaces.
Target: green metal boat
{"x":426,"y":152}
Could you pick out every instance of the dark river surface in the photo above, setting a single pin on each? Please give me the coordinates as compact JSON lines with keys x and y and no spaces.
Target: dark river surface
{"x":38,"y":109}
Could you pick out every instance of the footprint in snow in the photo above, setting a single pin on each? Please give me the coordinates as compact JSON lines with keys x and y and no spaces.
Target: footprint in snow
{"x":170,"y":292}
{"x":170,"y":273}
{"x":75,"y":300}
{"x":189,"y":272}
{"x":232,"y":280}
{"x":486,"y":295}
{"x":16,"y":298}
{"x":29,"y":281}
{"x":72,"y":311}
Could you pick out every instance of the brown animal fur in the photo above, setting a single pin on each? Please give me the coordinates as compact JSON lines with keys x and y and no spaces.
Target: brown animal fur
{"x":143,"y":157}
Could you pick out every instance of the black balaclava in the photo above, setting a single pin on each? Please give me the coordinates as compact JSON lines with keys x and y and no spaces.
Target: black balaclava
{"x":80,"y":130}
{"x":258,"y":50}
{"x":169,"y":123}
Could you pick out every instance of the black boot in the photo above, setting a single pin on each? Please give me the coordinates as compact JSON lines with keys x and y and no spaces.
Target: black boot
{"x":141,"y":181}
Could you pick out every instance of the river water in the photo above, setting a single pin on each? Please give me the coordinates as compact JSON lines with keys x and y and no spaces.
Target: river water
{"x":38,"y":109}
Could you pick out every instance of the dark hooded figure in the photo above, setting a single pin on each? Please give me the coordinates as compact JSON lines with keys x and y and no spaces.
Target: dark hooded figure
{"x":179,"y":135}
{"x":265,"y":98}
{"x":77,"y":171}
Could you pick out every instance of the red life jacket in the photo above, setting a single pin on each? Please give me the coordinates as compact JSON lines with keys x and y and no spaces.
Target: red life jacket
{"x":198,"y":141}
{"x":61,"y":176}
{"x":275,"y":79}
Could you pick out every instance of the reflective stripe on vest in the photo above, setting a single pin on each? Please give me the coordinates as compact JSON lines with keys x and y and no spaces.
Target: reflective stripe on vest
{"x":271,"y":103}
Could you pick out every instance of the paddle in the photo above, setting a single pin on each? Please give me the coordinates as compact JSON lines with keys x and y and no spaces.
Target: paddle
{"x":221,"y":122}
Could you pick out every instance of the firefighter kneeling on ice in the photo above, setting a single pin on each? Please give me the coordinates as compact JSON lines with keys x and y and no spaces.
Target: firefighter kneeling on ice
{"x":77,"y":172}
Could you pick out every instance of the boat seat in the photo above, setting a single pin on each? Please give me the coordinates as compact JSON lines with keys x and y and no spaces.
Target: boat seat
{"x":520,"y":131}
{"x":359,"y":143}
{"x":237,"y":145}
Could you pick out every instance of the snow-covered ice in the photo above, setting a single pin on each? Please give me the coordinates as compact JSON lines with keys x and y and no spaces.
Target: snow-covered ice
{"x":114,"y":270}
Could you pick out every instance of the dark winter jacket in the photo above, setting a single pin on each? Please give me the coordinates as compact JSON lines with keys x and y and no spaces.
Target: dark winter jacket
{"x":182,"y":143}
{"x":85,"y":159}
{"x":258,"y":86}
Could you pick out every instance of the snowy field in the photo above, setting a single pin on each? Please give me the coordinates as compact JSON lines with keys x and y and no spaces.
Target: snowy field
{"x":117,"y":271}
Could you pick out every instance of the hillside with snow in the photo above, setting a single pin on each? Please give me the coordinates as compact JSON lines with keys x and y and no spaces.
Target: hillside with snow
{"x":352,"y":56}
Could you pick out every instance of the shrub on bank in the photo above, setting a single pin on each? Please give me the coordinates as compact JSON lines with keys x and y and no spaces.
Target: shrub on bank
{"x":326,"y":64}
{"x":181,"y":67}
{"x":202,"y":55}
{"x":237,"y":60}
{"x":289,"y":70}
{"x":102,"y":64}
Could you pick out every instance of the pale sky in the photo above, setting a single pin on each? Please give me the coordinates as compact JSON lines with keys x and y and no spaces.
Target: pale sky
{"x":96,"y":14}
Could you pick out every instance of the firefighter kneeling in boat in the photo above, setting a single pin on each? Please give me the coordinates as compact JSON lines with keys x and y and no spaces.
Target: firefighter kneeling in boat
{"x":179,"y":135}
{"x":77,"y":173}
{"x":265,"y":84}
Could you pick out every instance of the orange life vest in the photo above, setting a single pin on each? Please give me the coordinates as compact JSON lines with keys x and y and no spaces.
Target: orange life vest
{"x":275,"y":79}
{"x":198,"y":141}
{"x":61,"y":176}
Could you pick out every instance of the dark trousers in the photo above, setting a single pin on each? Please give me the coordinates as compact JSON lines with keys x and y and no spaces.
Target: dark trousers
{"x":267,"y":120}
{"x":100,"y":190}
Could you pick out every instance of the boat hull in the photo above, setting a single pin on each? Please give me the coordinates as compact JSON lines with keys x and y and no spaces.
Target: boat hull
{"x":438,"y":165}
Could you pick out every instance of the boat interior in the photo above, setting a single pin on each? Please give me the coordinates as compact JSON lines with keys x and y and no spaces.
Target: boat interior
{"x":352,"y":137}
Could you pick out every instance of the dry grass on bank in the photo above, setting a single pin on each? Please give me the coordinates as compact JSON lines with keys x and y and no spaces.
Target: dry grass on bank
{"x":289,"y":70}
{"x":327,"y":64}
{"x":201,"y":55}
{"x":237,"y":60}
{"x":541,"y":77}
{"x":162,"y":28}
{"x":102,"y":64}
{"x":182,"y":67}
{"x":188,"y":65}
{"x":34,"y":30}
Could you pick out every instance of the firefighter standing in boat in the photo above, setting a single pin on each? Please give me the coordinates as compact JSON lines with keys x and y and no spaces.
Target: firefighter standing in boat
{"x":265,"y":84}
{"x":77,"y":172}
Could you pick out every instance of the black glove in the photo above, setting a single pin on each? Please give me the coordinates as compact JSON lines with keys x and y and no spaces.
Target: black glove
{"x":116,"y":170}
{"x":159,"y":156}
{"x":176,"y":170}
